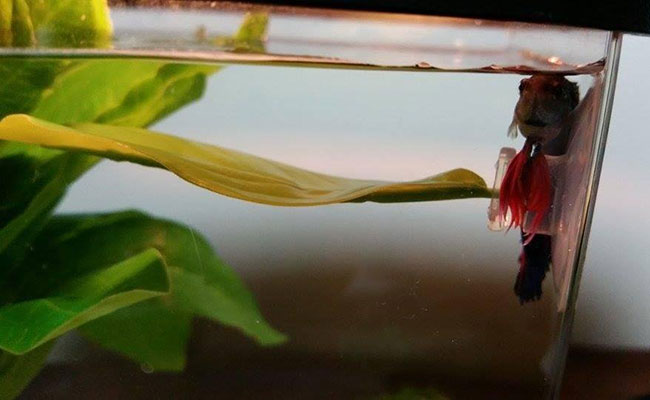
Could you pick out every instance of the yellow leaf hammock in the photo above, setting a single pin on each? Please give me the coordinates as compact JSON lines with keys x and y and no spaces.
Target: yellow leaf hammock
{"x":233,"y":173}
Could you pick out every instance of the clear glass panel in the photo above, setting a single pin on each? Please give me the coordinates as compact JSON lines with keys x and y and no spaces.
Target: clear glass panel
{"x":375,"y":298}
{"x":354,"y":39}
{"x":373,"y":39}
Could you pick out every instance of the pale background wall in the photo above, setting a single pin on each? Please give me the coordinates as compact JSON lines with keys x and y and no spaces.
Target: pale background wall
{"x":614,"y":304}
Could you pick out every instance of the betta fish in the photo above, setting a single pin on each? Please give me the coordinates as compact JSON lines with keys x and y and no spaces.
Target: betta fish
{"x":542,"y":115}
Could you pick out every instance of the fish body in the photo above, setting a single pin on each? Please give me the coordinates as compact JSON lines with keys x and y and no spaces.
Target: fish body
{"x":542,"y":115}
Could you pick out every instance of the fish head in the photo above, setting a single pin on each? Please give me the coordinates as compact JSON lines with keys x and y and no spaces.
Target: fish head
{"x":545,"y":102}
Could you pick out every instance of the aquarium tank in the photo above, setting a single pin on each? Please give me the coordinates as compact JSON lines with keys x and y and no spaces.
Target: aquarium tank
{"x":364,"y":200}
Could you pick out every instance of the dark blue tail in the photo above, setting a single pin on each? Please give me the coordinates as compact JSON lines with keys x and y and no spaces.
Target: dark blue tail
{"x":534,"y":261}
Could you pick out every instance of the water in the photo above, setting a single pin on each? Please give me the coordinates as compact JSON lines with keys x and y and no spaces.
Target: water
{"x":392,"y":294}
{"x":373,"y":298}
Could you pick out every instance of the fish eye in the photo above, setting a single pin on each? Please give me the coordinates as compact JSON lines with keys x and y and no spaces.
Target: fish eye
{"x":522,"y":85}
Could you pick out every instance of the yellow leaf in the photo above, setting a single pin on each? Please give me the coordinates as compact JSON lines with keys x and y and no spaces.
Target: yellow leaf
{"x":233,"y":173}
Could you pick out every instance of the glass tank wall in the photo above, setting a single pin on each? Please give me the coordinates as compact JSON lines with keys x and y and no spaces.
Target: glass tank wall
{"x":312,"y":203}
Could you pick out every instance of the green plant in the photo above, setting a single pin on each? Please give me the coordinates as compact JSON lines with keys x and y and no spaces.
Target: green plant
{"x":128,"y":281}
{"x":131,"y":282}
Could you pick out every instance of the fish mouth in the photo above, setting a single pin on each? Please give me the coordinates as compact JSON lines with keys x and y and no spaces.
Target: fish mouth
{"x":535,"y":122}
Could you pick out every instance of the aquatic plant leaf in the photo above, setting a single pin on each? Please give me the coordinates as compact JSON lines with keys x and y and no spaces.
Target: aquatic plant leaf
{"x":113,"y":91}
{"x":17,"y":371}
{"x":235,"y":174}
{"x":24,"y":82}
{"x":71,"y":23}
{"x":150,"y":333}
{"x":87,"y":89}
{"x":139,"y":94}
{"x":234,"y":307}
{"x":121,"y":92}
{"x":37,"y":178}
{"x":6,"y":17}
{"x":252,"y":33}
{"x":30,"y":190}
{"x":201,"y":283}
{"x":250,"y":37}
{"x":253,"y":28}
{"x":21,"y":26}
{"x":118,"y":91}
{"x":24,"y":85}
{"x":172,"y":87}
{"x":16,"y":27}
{"x":54,"y":297}
{"x":20,"y":30}
{"x":34,"y":178}
{"x":61,"y":23}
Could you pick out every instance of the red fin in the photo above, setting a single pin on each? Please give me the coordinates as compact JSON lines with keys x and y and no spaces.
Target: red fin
{"x":526,"y":187}
{"x":512,"y":195}
{"x":539,"y":191}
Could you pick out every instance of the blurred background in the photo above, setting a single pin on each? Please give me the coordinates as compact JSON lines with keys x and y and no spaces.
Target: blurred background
{"x":614,"y":295}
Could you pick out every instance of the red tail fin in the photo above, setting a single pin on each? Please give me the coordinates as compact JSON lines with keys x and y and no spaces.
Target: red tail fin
{"x":539,"y":191}
{"x":526,"y":187}
{"x":512,"y":195}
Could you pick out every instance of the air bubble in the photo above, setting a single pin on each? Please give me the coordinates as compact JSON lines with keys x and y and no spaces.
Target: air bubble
{"x":146,"y":368}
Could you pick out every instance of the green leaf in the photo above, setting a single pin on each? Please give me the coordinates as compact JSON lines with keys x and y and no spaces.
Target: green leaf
{"x":172,"y":87}
{"x":61,"y":23}
{"x":253,"y":28}
{"x":50,"y":89}
{"x":116,"y":91}
{"x":34,"y":178}
{"x":71,"y":23}
{"x":6,"y":18}
{"x":120,"y":92}
{"x":233,"y":173}
{"x":249,"y":38}
{"x":102,"y":84}
{"x":21,"y":25}
{"x":37,"y":178}
{"x":53,"y":296}
{"x":17,"y":371}
{"x":30,"y":191}
{"x":252,"y":33}
{"x":150,"y":333}
{"x":140,"y":93}
{"x":16,"y":27}
{"x":24,"y":82}
{"x":217,"y":299}
{"x":153,"y":332}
